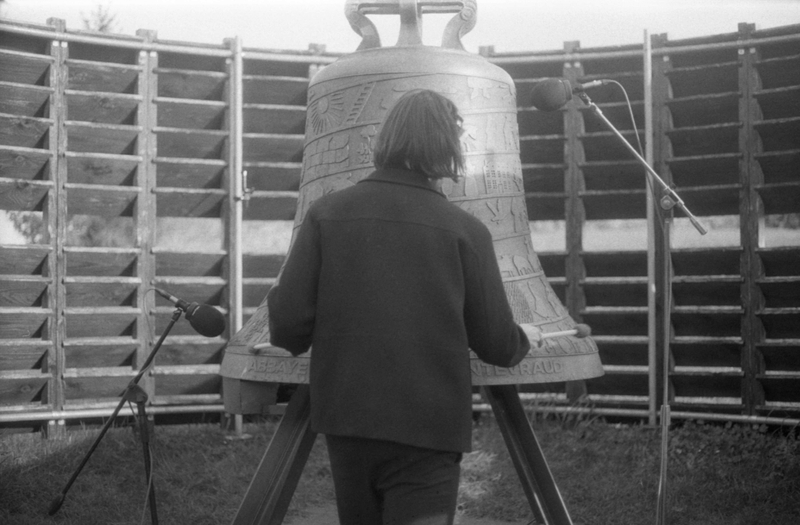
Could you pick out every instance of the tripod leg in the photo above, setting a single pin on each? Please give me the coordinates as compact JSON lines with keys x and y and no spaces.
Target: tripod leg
{"x":273,"y":484}
{"x":532,"y":469}
{"x":139,"y":396}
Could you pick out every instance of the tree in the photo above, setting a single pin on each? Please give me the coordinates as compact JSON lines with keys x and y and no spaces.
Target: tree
{"x":101,"y":19}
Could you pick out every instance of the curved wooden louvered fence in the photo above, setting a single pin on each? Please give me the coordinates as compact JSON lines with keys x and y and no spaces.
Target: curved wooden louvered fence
{"x":151,"y":138}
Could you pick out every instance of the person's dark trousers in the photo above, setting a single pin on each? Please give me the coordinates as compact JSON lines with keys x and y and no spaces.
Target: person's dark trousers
{"x":382,"y":482}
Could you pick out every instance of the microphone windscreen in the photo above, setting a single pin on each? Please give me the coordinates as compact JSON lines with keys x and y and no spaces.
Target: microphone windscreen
{"x":551,"y":94}
{"x":207,"y":320}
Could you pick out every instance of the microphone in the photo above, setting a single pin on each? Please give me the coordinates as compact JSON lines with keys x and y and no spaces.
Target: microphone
{"x":205,"y":319}
{"x":553,"y":93}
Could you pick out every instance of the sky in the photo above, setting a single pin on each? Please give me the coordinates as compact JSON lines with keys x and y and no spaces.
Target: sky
{"x":508,"y":25}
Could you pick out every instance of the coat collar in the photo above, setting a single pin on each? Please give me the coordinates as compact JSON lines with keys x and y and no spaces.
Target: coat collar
{"x":401,"y":176}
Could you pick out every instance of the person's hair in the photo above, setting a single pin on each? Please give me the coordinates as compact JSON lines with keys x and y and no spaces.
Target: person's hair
{"x":421,"y":133}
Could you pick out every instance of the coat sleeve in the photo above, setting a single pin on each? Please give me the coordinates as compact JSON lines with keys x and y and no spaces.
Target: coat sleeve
{"x":493,"y":334}
{"x":292,"y":301}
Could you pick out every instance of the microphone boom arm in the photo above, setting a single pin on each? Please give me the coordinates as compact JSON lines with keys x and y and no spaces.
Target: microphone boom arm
{"x":669,"y":193}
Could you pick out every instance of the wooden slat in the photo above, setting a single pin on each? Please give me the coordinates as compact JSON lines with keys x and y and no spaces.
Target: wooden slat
{"x":621,"y":204}
{"x":24,"y":292}
{"x":275,"y":90}
{"x":781,"y":261}
{"x":622,"y":352}
{"x":198,"y":85}
{"x":779,"y":134}
{"x":705,"y":140}
{"x":781,"y":388}
{"x":190,"y":173}
{"x":190,"y":264}
{"x":28,"y":323}
{"x":24,"y":100}
{"x":704,"y":109}
{"x":779,"y":102}
{"x":722,"y":261}
{"x":779,"y":71}
{"x":705,"y":170}
{"x":24,"y":68}
{"x":28,"y":196}
{"x":781,"y":356}
{"x":29,"y":357}
{"x":102,"y":108}
{"x":779,"y":166}
{"x":101,"y":294}
{"x":24,"y":163}
{"x":273,"y":176}
{"x":104,"y":201}
{"x":706,"y":353}
{"x":616,"y":320}
{"x":780,"y":292}
{"x":780,"y":323}
{"x":196,"y":352}
{"x":273,"y":148}
{"x":81,"y":390}
{"x":714,"y":322}
{"x":599,"y":264}
{"x":100,"y":262}
{"x":545,"y":207}
{"x":29,"y":259}
{"x":203,"y":290}
{"x":541,"y":150}
{"x":615,"y":294}
{"x":173,"y":202}
{"x":99,"y":168}
{"x":191,"y":114}
{"x":271,"y":206}
{"x":100,"y":325}
{"x":22,"y":392}
{"x":189,"y":384}
{"x":99,"y":355}
{"x":104,"y":77}
{"x":26,"y":132}
{"x":699,"y":80}
{"x":264,"y":118}
{"x":195,"y":144}
{"x":780,"y":198}
{"x":605,"y":146}
{"x":102,"y":138}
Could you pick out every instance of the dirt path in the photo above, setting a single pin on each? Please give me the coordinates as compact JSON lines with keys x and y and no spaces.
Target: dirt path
{"x":326,"y":515}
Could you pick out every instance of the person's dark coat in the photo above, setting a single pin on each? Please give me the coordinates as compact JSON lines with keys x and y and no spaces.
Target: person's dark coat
{"x":392,"y":284}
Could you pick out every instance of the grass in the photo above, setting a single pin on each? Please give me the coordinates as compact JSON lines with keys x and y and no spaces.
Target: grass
{"x":607,"y":474}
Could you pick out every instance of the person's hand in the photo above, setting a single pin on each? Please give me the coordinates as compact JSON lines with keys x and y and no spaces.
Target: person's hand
{"x":533,"y":333}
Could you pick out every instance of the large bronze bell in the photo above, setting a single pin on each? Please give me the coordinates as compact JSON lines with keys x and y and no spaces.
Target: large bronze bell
{"x":347,"y":101}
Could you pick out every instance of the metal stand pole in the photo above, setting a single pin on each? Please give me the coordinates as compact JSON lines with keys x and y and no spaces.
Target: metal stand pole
{"x":136,"y":394}
{"x":668,"y":200}
{"x":130,"y":393}
{"x":270,"y":491}
{"x":534,"y":473}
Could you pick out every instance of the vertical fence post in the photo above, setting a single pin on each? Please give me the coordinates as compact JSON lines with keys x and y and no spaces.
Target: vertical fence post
{"x":651,"y":239}
{"x":575,"y":215}
{"x":55,"y":221}
{"x":751,"y":213}
{"x":145,"y":210}
{"x":236,"y":194}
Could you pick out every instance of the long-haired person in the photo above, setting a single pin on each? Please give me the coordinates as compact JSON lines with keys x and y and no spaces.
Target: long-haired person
{"x":392,"y":285}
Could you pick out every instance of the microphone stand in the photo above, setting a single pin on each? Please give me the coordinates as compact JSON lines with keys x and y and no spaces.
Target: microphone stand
{"x":136,"y":394}
{"x":669,"y":198}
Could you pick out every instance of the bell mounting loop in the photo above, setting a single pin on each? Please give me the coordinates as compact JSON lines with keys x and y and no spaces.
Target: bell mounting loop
{"x":411,"y":12}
